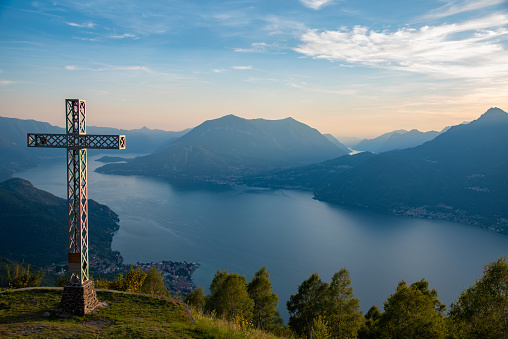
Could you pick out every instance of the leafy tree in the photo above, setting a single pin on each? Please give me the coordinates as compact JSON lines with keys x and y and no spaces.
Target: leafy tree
{"x":343,"y":311}
{"x":368,"y":329}
{"x":482,"y":310}
{"x":265,"y":301}
{"x":320,"y":329}
{"x":154,"y":283}
{"x":196,"y":298}
{"x":134,"y":280}
{"x":305,"y":306}
{"x":104,"y":283}
{"x":117,"y":284}
{"x":412,"y":312}
{"x":21,"y":277}
{"x":229,"y":297}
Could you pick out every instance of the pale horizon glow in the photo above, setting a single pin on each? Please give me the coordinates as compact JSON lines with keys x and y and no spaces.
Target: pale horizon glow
{"x":345,"y":68}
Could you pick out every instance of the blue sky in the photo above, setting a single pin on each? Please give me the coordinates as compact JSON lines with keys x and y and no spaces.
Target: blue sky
{"x":350,"y":68}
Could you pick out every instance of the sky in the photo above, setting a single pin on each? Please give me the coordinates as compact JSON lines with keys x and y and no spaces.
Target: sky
{"x":352,"y":68}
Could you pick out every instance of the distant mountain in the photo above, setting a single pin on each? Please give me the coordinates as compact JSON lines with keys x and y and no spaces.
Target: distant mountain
{"x":337,"y":143}
{"x":349,"y":141}
{"x":143,"y":140}
{"x":229,"y":147}
{"x":33,"y":225}
{"x":459,"y":175}
{"x":399,"y":139}
{"x":15,"y":155}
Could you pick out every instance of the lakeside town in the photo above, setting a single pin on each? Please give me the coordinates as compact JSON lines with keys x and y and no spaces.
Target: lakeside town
{"x":177,"y":275}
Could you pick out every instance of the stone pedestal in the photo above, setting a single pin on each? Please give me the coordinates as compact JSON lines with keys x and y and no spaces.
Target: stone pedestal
{"x":79,"y":299}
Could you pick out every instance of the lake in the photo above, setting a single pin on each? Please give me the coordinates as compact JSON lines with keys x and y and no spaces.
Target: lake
{"x":245,"y":228}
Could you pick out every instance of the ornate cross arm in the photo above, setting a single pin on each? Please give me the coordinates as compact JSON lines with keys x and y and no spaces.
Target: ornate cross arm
{"x":77,"y":141}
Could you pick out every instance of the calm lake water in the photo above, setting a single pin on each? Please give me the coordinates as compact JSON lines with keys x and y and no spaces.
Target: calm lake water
{"x":244,"y":229}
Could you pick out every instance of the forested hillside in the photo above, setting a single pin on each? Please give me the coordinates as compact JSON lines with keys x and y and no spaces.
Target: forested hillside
{"x":33,"y":225}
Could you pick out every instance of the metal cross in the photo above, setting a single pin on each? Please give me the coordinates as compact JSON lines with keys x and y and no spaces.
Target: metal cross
{"x":77,"y":142}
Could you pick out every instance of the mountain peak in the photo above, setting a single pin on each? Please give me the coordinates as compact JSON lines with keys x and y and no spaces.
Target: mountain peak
{"x":494,"y":113}
{"x":16,"y":184}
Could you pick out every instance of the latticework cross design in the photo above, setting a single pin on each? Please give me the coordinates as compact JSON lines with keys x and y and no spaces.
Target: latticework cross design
{"x":76,"y":141}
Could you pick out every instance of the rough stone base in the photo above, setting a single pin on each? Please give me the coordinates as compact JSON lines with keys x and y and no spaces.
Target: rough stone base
{"x":79,"y":299}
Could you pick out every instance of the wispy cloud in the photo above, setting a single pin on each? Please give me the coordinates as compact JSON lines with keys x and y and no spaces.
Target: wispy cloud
{"x":108,"y":68}
{"x":471,"y":49}
{"x":316,"y":4}
{"x":242,"y":67}
{"x":456,"y":7}
{"x":84,"y":25}
{"x":218,"y":70}
{"x":6,"y":82}
{"x":123,"y":36}
{"x":284,"y":26}
{"x":260,"y":47}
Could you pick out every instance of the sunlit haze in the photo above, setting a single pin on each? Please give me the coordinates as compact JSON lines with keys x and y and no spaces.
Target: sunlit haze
{"x":349,"y":68}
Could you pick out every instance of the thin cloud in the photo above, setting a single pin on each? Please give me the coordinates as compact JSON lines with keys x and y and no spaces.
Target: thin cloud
{"x":283,"y":26}
{"x":85,"y":25}
{"x":432,"y":50}
{"x":242,"y":67}
{"x":108,"y":68}
{"x":6,"y":82}
{"x":123,"y":36}
{"x":259,"y":47}
{"x":316,"y":4}
{"x":456,"y":7}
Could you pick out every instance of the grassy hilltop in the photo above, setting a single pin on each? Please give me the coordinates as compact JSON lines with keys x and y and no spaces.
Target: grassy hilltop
{"x":27,"y":313}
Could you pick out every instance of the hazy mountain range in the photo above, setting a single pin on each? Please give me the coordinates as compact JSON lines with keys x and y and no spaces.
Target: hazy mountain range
{"x":231,"y":147}
{"x":16,"y":155}
{"x":460,"y":174}
{"x":399,"y":139}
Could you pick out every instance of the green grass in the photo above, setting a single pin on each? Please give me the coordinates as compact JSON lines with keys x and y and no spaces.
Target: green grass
{"x":25,"y":314}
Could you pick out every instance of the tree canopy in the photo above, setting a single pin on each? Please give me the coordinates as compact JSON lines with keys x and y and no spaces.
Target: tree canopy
{"x":412,"y":312}
{"x":481,"y":311}
{"x":229,"y":297}
{"x":265,"y":301}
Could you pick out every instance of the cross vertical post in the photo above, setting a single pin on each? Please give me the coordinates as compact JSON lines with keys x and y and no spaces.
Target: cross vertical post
{"x":77,"y":192}
{"x":79,"y":295}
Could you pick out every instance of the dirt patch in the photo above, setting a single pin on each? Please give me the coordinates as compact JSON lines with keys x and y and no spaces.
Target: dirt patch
{"x":98,"y":323}
{"x":36,"y":329}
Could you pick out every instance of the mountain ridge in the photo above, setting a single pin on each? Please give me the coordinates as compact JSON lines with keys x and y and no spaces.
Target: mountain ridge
{"x":16,"y":155}
{"x":398,"y":139}
{"x":222,"y":149}
{"x":459,"y":175}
